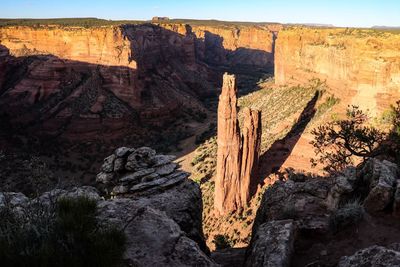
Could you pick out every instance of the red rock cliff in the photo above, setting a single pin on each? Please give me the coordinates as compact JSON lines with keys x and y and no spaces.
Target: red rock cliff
{"x":232,"y":45}
{"x":362,"y":67}
{"x":237,"y":154}
{"x":81,"y":81}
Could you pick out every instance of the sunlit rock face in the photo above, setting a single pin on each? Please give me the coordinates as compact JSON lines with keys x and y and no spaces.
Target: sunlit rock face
{"x":227,"y":181}
{"x":238,"y":151}
{"x":362,"y":67}
{"x":251,"y":141}
{"x":98,"y":82}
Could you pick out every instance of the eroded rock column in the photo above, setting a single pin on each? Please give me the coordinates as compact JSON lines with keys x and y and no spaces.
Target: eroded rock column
{"x":228,"y":154}
{"x":251,"y":141}
{"x":238,"y":153}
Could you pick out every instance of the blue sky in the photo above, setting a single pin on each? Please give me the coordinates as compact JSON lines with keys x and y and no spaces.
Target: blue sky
{"x":359,"y":13}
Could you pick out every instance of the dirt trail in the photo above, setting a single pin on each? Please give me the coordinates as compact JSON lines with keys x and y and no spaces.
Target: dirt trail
{"x":188,"y":145}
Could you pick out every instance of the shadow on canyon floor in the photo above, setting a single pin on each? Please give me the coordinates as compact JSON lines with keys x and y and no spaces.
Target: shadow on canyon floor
{"x":273,"y":159}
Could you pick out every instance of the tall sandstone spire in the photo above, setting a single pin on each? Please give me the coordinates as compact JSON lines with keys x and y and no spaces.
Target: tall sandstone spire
{"x":228,"y":154}
{"x":237,"y":154}
{"x":251,"y":144}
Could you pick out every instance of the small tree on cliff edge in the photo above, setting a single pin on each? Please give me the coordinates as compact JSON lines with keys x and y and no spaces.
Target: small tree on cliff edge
{"x":337,"y":143}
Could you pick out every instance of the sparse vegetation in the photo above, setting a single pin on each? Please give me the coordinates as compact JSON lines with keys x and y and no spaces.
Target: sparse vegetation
{"x":66,"y":22}
{"x":95,"y":22}
{"x":337,"y":143}
{"x":221,"y":242}
{"x":349,"y":214}
{"x":327,"y":105}
{"x":210,"y":132}
{"x":65,"y":233}
{"x":280,"y":106}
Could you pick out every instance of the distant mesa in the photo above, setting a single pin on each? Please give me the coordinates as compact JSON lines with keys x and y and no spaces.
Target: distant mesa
{"x":158,"y":19}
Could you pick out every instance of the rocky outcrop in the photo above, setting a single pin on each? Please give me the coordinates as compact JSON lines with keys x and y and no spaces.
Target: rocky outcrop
{"x":376,"y":181}
{"x":155,"y":181}
{"x":360,"y":66}
{"x":153,"y":237}
{"x":381,"y":177}
{"x":237,"y":154}
{"x":325,"y":212}
{"x":372,"y":256}
{"x":301,"y":198}
{"x":272,"y":245}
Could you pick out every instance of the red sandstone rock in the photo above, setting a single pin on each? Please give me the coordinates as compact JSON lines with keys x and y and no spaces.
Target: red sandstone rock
{"x":84,"y":83}
{"x":227,"y":184}
{"x":232,"y":45}
{"x":362,"y":67}
{"x":251,"y":138}
{"x":237,"y":154}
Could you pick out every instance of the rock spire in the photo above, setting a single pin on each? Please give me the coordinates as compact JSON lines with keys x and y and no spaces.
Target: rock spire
{"x":238,"y":151}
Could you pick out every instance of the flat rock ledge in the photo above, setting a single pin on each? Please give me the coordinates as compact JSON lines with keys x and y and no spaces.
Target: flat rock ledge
{"x":134,"y":171}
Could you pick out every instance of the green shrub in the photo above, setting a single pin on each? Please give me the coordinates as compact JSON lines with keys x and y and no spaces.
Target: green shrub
{"x":66,"y":233}
{"x":221,"y":242}
{"x":349,"y":214}
{"x":328,"y":104}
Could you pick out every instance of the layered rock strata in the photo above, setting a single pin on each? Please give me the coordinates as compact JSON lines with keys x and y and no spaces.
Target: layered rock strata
{"x":360,"y":66}
{"x":233,"y":45}
{"x":101,"y":82}
{"x":98,"y":82}
{"x":237,"y":154}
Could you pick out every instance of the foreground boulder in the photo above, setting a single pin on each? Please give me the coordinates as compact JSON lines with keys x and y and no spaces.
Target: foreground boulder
{"x":381,"y":178}
{"x":372,"y":256}
{"x":321,"y":207}
{"x":153,"y":238}
{"x":154,"y":180}
{"x":375,"y":183}
{"x":272,"y":245}
{"x":299,"y":198}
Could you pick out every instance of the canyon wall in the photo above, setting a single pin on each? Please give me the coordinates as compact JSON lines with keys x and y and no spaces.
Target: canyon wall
{"x":85,"y":83}
{"x":232,"y":45}
{"x":79,"y":82}
{"x":362,"y":67}
{"x":238,"y":151}
{"x":100,"y":45}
